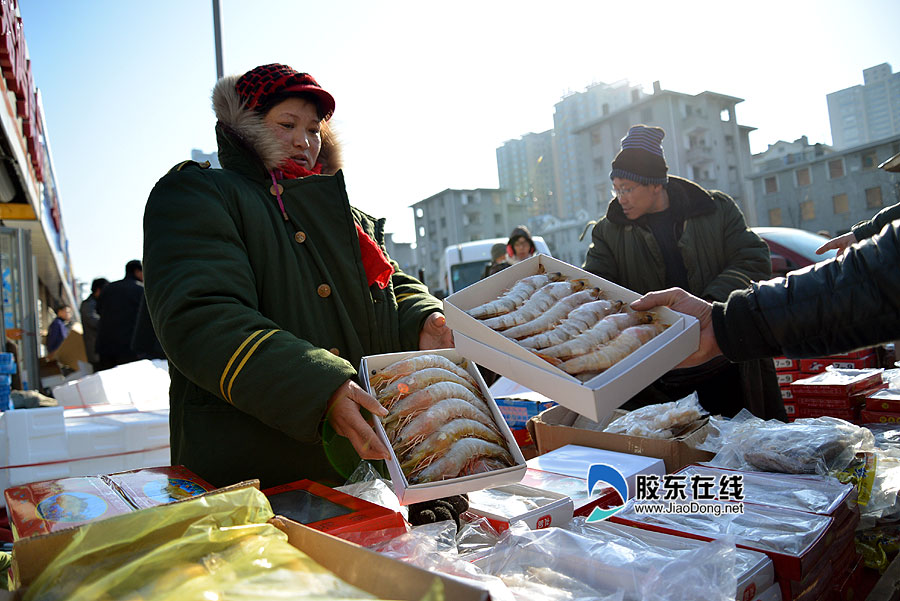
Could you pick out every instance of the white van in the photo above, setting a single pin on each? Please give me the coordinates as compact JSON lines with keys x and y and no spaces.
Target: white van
{"x":463,"y":264}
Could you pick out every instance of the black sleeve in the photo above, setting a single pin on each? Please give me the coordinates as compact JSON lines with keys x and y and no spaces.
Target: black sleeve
{"x":849,"y":302}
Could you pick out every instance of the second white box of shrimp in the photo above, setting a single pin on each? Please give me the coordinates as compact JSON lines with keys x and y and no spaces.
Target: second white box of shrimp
{"x":601,"y":395}
{"x":416,"y":493}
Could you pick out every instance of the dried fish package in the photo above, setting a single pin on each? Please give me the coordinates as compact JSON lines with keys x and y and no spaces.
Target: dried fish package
{"x":663,"y":420}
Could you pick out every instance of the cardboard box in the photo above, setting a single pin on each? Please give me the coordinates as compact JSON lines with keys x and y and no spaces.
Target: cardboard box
{"x":824,"y":402}
{"x":597,"y":397}
{"x":878,"y":417}
{"x":417,"y":493}
{"x":850,"y":414}
{"x":337,"y":513}
{"x":790,"y":409}
{"x":71,"y":351}
{"x":497,"y":505}
{"x":884,"y":400}
{"x":785,"y":364}
{"x":786,"y":378}
{"x":819,"y":365}
{"x":786,"y":393}
{"x":836,"y":383}
{"x":553,"y":429}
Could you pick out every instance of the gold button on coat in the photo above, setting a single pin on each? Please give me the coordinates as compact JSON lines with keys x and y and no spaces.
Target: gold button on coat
{"x":276,"y":189}
{"x":324,"y":290}
{"x":300,"y":237}
{"x":335,"y":351}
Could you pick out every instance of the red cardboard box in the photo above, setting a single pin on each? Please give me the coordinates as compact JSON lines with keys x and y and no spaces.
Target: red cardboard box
{"x":786,"y":393}
{"x":786,"y":378}
{"x":884,"y":400}
{"x":836,"y":383}
{"x":854,"y":355}
{"x":878,"y":417}
{"x":850,"y":414}
{"x":819,"y":365}
{"x":335,"y":512}
{"x":785,"y":364}
{"x":824,"y":402}
{"x":154,"y":486}
{"x":790,"y":409}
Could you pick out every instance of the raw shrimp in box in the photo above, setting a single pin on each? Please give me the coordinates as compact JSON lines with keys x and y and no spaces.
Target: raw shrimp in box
{"x":444,"y":430}
{"x":568,"y":334}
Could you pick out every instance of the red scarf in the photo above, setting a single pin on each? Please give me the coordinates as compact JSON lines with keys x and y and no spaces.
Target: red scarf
{"x":378,"y":269}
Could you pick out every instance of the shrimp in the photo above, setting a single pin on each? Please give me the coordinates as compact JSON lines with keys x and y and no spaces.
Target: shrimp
{"x":428,"y":396}
{"x":380,"y":378}
{"x":554,"y":314}
{"x":608,"y":355}
{"x":427,"y":422}
{"x":515,"y":297}
{"x":578,"y":321}
{"x":458,"y":458}
{"x":600,"y":333}
{"x":419,"y":380}
{"x":539,"y":302}
{"x":481,"y":465}
{"x":436,"y":445}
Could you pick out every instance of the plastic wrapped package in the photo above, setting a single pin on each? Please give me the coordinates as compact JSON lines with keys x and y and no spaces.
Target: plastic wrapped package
{"x":210,"y":548}
{"x":820,"y":445}
{"x":664,"y":420}
{"x":815,"y":494}
{"x":876,"y":476}
{"x":475,"y":537}
{"x":608,"y":562}
{"x":433,"y":547}
{"x":367,"y":484}
{"x":765,"y":528}
{"x":886,"y":435}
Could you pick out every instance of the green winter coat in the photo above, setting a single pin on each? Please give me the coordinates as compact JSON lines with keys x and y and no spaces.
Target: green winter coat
{"x":720,"y":254}
{"x":263,"y":317}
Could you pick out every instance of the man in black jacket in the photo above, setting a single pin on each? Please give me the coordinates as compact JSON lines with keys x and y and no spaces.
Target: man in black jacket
{"x":118,"y":308}
{"x":846,"y":303}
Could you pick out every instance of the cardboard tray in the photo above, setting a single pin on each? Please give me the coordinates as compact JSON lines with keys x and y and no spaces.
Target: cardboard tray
{"x":417,"y":493}
{"x":556,"y":513}
{"x":553,"y":429}
{"x":600,"y":395}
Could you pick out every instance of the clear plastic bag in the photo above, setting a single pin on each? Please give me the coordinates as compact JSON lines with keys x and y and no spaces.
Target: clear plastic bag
{"x":367,"y":484}
{"x":664,"y":420}
{"x":820,"y":445}
{"x":212,"y":547}
{"x":606,"y":562}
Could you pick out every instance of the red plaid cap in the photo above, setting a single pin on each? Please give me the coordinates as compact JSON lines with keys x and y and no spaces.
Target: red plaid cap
{"x":257,"y":86}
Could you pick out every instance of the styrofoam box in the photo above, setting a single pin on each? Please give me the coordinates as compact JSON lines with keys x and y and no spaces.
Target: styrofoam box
{"x":556,"y":513}
{"x":597,"y":397}
{"x":36,"y":439}
{"x":143,"y":430}
{"x":417,"y":493}
{"x":94,"y":437}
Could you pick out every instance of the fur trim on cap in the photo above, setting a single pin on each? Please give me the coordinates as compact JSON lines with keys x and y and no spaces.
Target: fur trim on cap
{"x":249,"y":126}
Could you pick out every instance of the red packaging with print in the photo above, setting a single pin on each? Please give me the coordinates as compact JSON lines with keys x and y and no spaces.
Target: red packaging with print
{"x":836,"y":383}
{"x":790,"y":409}
{"x":850,"y":414}
{"x":786,"y":378}
{"x":149,"y":487}
{"x":786,"y":393}
{"x":819,"y":365}
{"x":43,"y":507}
{"x":785,"y":364}
{"x":878,"y":417}
{"x":884,"y":400}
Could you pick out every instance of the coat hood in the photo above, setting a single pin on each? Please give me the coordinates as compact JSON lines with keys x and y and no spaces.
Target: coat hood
{"x":251,"y":131}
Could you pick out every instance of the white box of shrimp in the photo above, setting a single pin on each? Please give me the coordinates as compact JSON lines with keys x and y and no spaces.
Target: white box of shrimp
{"x":416,"y":493}
{"x":595,"y":398}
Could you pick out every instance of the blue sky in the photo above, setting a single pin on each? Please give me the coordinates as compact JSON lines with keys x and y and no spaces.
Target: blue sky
{"x":425,"y":91}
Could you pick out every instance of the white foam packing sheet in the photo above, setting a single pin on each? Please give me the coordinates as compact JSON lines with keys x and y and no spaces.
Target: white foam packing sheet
{"x":597,"y":397}
{"x":417,"y":493}
{"x":575,"y":460}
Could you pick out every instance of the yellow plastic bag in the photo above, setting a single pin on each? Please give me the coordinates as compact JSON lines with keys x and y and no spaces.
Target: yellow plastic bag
{"x":210,"y":549}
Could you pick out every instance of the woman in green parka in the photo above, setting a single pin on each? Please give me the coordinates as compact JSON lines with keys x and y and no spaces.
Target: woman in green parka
{"x":267,"y":287}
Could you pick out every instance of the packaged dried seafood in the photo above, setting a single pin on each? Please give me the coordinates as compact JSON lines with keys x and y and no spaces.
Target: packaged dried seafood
{"x":664,"y":420}
{"x":805,"y":446}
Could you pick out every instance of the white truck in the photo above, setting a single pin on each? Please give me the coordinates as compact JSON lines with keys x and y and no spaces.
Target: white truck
{"x":463,"y":264}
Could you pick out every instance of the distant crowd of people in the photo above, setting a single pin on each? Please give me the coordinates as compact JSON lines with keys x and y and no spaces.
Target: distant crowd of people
{"x":115,"y":322}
